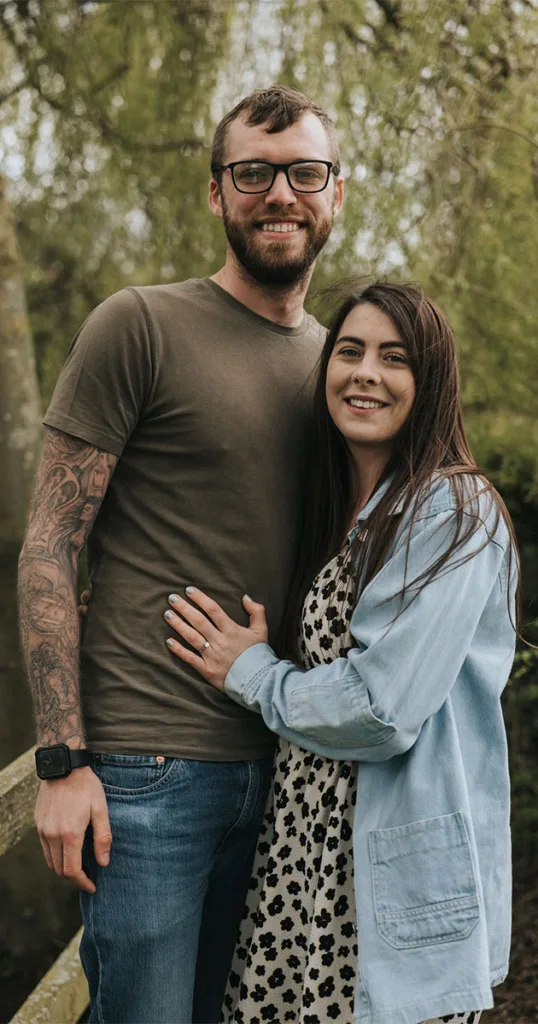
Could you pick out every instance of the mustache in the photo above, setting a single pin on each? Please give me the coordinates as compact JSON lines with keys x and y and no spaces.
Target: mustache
{"x":276,"y":214}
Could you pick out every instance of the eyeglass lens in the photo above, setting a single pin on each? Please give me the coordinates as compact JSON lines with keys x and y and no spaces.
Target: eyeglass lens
{"x":304,"y":177}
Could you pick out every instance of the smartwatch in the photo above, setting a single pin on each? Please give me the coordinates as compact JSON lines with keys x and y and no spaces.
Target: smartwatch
{"x":58,"y":761}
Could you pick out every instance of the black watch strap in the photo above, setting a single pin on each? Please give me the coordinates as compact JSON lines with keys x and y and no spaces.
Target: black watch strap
{"x":80,"y":758}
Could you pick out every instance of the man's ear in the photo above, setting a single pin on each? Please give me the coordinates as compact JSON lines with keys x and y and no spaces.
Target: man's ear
{"x":215,"y":198}
{"x":338,"y":195}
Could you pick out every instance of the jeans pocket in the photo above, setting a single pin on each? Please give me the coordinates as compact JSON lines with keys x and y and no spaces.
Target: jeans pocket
{"x":424,"y":883}
{"x":134,"y":774}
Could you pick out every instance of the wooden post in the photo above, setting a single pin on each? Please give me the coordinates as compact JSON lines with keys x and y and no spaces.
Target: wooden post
{"x":18,"y":788}
{"x":61,"y":996}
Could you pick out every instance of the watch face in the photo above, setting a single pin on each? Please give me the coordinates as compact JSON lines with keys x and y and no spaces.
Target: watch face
{"x":52,"y":762}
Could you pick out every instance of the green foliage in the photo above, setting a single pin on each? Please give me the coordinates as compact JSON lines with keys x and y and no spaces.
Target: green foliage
{"x":113,"y":107}
{"x":114,"y":125}
{"x":521,"y":713}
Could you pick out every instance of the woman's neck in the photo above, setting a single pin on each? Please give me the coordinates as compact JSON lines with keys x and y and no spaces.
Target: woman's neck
{"x":370,"y":464}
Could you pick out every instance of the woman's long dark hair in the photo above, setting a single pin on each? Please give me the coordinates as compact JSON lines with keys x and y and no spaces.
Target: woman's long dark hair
{"x":431,"y":442}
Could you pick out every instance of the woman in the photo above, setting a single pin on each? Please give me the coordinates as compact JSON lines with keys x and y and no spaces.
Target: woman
{"x":380,"y":892}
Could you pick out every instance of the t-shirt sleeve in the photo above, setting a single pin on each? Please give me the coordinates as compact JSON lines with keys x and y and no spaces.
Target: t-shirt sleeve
{"x":107,"y":377}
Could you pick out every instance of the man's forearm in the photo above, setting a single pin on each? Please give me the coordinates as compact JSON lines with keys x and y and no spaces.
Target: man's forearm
{"x":71,"y":482}
{"x":50,"y":641}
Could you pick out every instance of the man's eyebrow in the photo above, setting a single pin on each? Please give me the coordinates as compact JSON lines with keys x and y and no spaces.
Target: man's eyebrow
{"x":384,"y":344}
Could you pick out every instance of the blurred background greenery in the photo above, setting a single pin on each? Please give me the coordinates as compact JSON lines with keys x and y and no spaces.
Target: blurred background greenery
{"x":106,"y":117}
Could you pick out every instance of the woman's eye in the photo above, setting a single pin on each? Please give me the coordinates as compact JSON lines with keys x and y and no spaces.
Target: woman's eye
{"x":349,"y":352}
{"x":396,"y":357}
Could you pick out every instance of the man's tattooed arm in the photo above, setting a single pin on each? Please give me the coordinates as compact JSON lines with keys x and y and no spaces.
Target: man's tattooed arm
{"x":71,"y":482}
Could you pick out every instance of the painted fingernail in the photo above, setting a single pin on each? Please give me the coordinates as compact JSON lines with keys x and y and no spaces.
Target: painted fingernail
{"x":247,"y":598}
{"x":170,"y":642}
{"x":173,"y":598}
{"x":169,"y":615}
{"x":189,"y":590}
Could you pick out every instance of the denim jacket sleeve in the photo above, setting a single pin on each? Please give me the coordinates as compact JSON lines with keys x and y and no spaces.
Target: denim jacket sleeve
{"x":372,"y":704}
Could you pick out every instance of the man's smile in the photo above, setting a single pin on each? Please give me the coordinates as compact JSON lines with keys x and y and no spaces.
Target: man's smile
{"x":280,"y":227}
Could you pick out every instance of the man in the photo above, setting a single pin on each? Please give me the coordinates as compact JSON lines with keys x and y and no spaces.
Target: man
{"x":174,"y":444}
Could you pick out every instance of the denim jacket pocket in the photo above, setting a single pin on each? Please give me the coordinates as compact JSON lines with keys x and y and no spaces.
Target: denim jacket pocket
{"x":424,"y":883}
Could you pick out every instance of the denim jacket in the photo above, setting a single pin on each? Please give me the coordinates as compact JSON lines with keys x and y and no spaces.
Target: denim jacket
{"x":418,"y":706}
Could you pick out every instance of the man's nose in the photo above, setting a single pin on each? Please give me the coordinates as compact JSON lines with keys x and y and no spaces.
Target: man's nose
{"x":280,"y":192}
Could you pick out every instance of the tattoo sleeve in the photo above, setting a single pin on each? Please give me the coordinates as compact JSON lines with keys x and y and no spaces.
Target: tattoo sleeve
{"x":71,"y":482}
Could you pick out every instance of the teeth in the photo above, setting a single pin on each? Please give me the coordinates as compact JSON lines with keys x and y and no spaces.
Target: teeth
{"x":365,"y":405}
{"x":281,"y":227}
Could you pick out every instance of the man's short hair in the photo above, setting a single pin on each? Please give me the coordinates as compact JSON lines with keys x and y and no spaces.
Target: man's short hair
{"x":277,"y":108}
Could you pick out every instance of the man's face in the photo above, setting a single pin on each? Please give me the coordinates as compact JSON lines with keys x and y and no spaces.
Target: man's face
{"x":270,"y":253}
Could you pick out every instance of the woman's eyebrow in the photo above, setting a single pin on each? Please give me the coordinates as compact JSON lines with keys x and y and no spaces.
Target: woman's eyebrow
{"x":384,"y":344}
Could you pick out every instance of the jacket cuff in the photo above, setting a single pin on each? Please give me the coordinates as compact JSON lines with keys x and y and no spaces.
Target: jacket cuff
{"x":246,"y":670}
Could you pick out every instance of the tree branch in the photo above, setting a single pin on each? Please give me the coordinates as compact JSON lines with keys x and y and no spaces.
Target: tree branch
{"x":5,"y":96}
{"x":494,"y":124}
{"x":118,"y":72}
{"x":96,"y":114}
{"x":392,"y":9}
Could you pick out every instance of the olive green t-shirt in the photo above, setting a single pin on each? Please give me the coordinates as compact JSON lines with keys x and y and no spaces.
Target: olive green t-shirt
{"x":207,"y":406}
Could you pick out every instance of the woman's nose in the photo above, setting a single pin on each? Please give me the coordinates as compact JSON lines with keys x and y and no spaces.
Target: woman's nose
{"x":366,"y":374}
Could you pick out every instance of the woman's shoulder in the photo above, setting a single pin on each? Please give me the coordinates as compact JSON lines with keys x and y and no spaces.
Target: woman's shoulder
{"x":447,"y":494}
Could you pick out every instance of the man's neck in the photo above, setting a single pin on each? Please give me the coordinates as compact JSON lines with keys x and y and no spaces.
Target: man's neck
{"x":283,"y":305}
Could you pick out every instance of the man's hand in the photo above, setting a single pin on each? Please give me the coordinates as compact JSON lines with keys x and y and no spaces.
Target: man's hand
{"x":64,"y":809}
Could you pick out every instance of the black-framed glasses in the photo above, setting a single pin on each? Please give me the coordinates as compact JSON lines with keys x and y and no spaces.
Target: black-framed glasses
{"x":253,"y":176}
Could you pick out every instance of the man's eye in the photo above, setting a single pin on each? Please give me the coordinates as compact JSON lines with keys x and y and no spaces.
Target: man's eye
{"x":253,"y":175}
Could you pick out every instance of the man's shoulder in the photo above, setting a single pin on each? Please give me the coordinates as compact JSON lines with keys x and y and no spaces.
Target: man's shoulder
{"x":193,"y":286}
{"x":181,"y":303}
{"x":317,"y":330}
{"x":313,"y":333}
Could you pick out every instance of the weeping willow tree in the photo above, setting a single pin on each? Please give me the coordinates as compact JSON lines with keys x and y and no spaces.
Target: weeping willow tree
{"x":438,"y":123}
{"x":114,"y":107}
{"x":113,"y":111}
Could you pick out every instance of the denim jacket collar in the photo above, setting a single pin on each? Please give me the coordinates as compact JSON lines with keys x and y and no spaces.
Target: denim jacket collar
{"x":372,"y":504}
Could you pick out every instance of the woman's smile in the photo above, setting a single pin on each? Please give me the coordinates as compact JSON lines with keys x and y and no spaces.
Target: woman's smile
{"x":363,"y":404}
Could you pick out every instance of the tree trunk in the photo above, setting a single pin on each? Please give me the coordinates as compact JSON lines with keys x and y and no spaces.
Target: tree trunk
{"x":20,"y":411}
{"x":41,"y":913}
{"x":19,"y":445}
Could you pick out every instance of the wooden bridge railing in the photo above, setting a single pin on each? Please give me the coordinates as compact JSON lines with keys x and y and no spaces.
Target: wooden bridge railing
{"x":62,"y":994}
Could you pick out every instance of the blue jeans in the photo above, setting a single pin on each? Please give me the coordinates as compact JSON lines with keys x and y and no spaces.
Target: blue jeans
{"x":160,"y":931}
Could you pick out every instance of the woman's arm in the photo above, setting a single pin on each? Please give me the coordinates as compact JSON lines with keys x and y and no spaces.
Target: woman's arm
{"x":373,"y":704}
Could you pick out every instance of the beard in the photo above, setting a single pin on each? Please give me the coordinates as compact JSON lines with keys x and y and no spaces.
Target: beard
{"x":274,"y":265}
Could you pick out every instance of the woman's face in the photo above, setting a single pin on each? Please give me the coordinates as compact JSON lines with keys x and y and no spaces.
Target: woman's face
{"x":370,"y":388}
